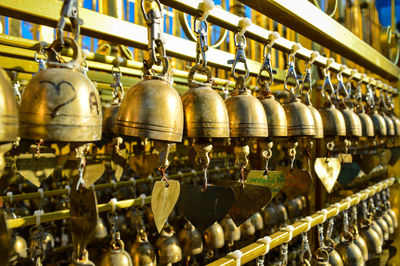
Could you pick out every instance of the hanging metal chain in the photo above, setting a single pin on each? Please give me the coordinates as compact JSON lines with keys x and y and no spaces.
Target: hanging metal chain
{"x":81,"y":153}
{"x":345,"y":221}
{"x":154,"y":19}
{"x":118,"y":88}
{"x":306,"y":254}
{"x":370,"y":99}
{"x":37,"y":252}
{"x":201,"y":29}
{"x":283,"y":256}
{"x":69,"y":10}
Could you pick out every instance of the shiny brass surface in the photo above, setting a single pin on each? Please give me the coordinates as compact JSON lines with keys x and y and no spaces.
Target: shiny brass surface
{"x":394,"y":217}
{"x":116,"y":256}
{"x":335,"y":259}
{"x":246,"y":115}
{"x":231,"y":231}
{"x":276,"y":117}
{"x":151,"y":109}
{"x":109,"y":117}
{"x":384,"y":226}
{"x":396,"y":123}
{"x":281,"y":213}
{"x":374,"y":243}
{"x":375,"y":226}
{"x":258,"y":221}
{"x":8,"y":110}
{"x":205,"y":113}
{"x":367,"y":125}
{"x":142,"y":251}
{"x":379,"y":124}
{"x":270,"y":217}
{"x":319,"y":128}
{"x":333,"y":121}
{"x":362,"y":245}
{"x":353,"y":122}
{"x":214,"y":237}
{"x":390,"y":129}
{"x":300,"y":120}
{"x":101,"y":229}
{"x":350,"y":252}
{"x":190,"y":240}
{"x":61,"y":104}
{"x":247,"y":228}
{"x":19,"y":249}
{"x":167,"y":246}
{"x":388,"y":219}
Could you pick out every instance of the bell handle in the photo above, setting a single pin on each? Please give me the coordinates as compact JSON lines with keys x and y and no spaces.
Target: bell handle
{"x":199,"y":69}
{"x":55,"y":60}
{"x":117,"y":244}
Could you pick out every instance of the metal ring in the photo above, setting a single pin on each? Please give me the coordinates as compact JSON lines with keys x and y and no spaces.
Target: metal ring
{"x":332,"y":13}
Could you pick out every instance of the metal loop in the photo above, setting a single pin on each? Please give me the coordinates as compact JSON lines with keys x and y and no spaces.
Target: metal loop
{"x":118,"y":89}
{"x":198,"y":69}
{"x":240,"y":56}
{"x":267,"y":67}
{"x":145,"y":15}
{"x":69,"y":10}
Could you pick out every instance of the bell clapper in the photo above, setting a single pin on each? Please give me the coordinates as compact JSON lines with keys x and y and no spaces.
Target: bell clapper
{"x":292,"y":154}
{"x":267,"y":153}
{"x":202,"y":158}
{"x":81,"y":153}
{"x":241,"y":151}
{"x":163,"y":149}
{"x":39,"y":144}
{"x":43,"y":57}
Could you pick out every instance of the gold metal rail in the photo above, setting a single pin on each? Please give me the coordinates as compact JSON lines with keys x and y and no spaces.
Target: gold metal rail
{"x":254,"y":250}
{"x":308,"y":20}
{"x":64,"y":191}
{"x":380,"y":64}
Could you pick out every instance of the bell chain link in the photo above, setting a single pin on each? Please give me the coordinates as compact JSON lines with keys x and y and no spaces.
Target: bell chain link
{"x":306,"y":84}
{"x":37,"y":252}
{"x":240,"y":57}
{"x":292,"y":154}
{"x":118,"y":88}
{"x":266,"y":65}
{"x":81,"y":153}
{"x":283,"y":256}
{"x":69,"y":11}
{"x":291,"y":73}
{"x":305,"y":255}
{"x":267,"y":154}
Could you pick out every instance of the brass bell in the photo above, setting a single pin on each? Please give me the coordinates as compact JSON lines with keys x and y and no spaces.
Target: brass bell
{"x":270,"y":216}
{"x":190,"y":239}
{"x":84,"y":261}
{"x":367,"y":125}
{"x":300,"y":120}
{"x":335,"y":259}
{"x":151,"y":109}
{"x":231,"y":231}
{"x":116,"y":255}
{"x":371,"y":237}
{"x":48,"y":241}
{"x":321,"y":257}
{"x":281,"y":213}
{"x":142,"y":251}
{"x":390,"y":127}
{"x":214,"y":237}
{"x":8,"y":111}
{"x":388,"y":219}
{"x":19,"y":249}
{"x":167,"y":246}
{"x":101,"y":229}
{"x":332,"y":118}
{"x":353,"y":122}
{"x":247,"y":228}
{"x":360,"y":242}
{"x":257,"y":221}
{"x":109,"y":116}
{"x":378,"y":120}
{"x":383,"y":225}
{"x":350,"y":252}
{"x":247,"y":116}
{"x":294,"y":207}
{"x":60,"y":103}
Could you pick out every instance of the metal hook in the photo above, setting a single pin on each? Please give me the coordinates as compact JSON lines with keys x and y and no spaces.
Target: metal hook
{"x":240,"y":56}
{"x":69,"y":10}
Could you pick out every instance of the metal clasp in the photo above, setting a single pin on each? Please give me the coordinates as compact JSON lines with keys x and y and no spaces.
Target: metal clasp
{"x":240,"y":56}
{"x":201,"y":29}
{"x":69,"y":10}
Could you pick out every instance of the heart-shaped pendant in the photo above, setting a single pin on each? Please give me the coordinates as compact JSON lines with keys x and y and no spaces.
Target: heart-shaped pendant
{"x":327,"y":170}
{"x":83,"y":217}
{"x":297,"y":181}
{"x":163,"y":200}
{"x":274,"y":180}
{"x":204,"y":207}
{"x":248,"y":199}
{"x":348,"y":172}
{"x":36,"y":168}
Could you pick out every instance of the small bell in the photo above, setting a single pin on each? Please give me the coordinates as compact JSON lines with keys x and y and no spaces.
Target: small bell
{"x":231,"y":231}
{"x":371,"y":237}
{"x":257,"y":221}
{"x":60,"y":103}
{"x":167,"y":246}
{"x":321,"y":257}
{"x":380,"y":128}
{"x":101,"y":229}
{"x":358,"y":240}
{"x":8,"y":111}
{"x":247,"y":228}
{"x":281,"y":213}
{"x":19,"y":249}
{"x":142,"y":251}
{"x":300,"y":120}
{"x":190,"y":239}
{"x":270,"y":216}
{"x":350,"y":252}
{"x":276,"y":117}
{"x":84,"y":261}
{"x":305,"y":91}
{"x":214,"y":237}
{"x":367,"y":125}
{"x":332,"y":118}
{"x":384,"y":109}
{"x":294,"y":207}
{"x":116,"y":255}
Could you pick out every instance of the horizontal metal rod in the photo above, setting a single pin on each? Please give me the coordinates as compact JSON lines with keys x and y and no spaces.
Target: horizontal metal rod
{"x":254,"y":250}
{"x":132,"y":182}
{"x":376,"y":61}
{"x":64,"y":214}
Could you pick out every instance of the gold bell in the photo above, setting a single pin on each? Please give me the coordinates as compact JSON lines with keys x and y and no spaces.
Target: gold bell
{"x":270,"y":216}
{"x":247,"y":228}
{"x":360,"y":242}
{"x":167,"y":246}
{"x":390,"y":128}
{"x":332,"y":118}
{"x":300,"y":120}
{"x":8,"y":111}
{"x":142,"y":251}
{"x":351,"y":253}
{"x":206,"y":115}
{"x":257,"y":221}
{"x":19,"y":249}
{"x":84,"y":261}
{"x":388,"y":219}
{"x":281,"y":213}
{"x":231,"y":231}
{"x":60,"y":103}
{"x":116,"y":256}
{"x":294,"y":207}
{"x":371,"y":237}
{"x":383,"y":225}
{"x":214,"y":237}
{"x":335,"y":259}
{"x":101,"y":229}
{"x":353,"y":122}
{"x":190,"y":239}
